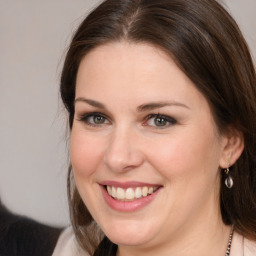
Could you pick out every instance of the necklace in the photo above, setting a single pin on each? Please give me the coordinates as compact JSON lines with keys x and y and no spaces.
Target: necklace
{"x":229,"y":241}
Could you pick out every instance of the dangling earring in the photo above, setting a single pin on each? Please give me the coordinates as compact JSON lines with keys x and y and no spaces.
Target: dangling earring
{"x":228,"y":181}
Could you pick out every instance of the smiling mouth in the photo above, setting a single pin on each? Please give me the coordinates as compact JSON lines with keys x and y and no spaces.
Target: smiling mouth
{"x":130,"y":194}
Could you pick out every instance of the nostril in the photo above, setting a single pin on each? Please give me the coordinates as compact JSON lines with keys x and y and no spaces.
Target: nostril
{"x":123,"y":163}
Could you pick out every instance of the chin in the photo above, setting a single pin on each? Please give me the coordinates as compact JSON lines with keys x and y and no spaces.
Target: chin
{"x":128,"y":240}
{"x":129,"y":235}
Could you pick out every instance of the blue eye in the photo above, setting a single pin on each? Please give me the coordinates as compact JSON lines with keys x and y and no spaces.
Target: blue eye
{"x":94,"y":119}
{"x":160,"y":121}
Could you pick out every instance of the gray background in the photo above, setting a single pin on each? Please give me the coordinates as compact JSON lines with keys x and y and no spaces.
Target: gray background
{"x":33,"y":151}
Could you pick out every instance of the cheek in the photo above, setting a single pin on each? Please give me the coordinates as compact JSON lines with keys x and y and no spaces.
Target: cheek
{"x":186,"y":156}
{"x":85,"y":153}
{"x":190,"y":170}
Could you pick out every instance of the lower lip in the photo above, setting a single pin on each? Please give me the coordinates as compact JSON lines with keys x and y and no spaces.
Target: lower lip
{"x":128,"y":206}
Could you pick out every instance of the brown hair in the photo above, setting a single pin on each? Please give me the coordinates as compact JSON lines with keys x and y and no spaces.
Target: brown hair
{"x":207,"y":45}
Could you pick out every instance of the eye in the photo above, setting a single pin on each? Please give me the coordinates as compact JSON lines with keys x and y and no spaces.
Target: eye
{"x":161,"y":121}
{"x":94,"y":119}
{"x":97,"y":119}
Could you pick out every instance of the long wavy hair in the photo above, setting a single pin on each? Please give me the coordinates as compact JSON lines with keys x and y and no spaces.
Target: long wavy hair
{"x":207,"y":45}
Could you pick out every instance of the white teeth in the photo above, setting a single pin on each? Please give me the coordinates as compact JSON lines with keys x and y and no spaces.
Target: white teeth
{"x":113,"y":192}
{"x":130,"y":194}
{"x":109,"y":190}
{"x":150,"y":190}
{"x":145,"y":191}
{"x":138,"y":193}
{"x":120,"y":193}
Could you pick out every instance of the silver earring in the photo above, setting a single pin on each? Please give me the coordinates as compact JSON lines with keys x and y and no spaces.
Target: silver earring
{"x":228,"y":181}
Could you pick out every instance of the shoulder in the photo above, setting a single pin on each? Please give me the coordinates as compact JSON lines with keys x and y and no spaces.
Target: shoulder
{"x":242,"y":246}
{"x":249,"y":247}
{"x":67,"y":245}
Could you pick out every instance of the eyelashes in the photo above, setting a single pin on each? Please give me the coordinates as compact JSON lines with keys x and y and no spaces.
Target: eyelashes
{"x":159,"y":120}
{"x":97,"y":119}
{"x":94,"y":119}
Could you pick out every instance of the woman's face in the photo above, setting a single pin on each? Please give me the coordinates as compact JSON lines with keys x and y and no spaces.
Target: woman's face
{"x":145,"y":150}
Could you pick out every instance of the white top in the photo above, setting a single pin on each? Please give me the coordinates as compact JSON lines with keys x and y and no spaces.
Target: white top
{"x":241,"y":246}
{"x":68,"y":246}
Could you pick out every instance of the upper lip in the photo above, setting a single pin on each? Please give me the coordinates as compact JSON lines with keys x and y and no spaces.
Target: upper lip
{"x":128,"y":184}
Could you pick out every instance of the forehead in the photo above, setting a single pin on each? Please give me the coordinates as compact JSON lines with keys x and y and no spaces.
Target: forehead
{"x":128,"y":56}
{"x":129,"y":65}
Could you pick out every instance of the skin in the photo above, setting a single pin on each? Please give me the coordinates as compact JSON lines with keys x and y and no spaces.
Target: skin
{"x":183,"y":155}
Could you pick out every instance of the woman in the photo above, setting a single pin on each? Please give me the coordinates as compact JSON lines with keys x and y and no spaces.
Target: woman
{"x":161,"y":102}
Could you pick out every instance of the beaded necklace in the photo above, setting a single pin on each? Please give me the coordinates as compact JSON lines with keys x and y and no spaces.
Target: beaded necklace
{"x":229,"y":241}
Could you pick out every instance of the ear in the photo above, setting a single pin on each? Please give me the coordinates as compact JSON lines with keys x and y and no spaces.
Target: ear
{"x":233,"y":146}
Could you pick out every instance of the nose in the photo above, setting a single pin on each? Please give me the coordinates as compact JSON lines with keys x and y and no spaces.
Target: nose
{"x":123,"y":151}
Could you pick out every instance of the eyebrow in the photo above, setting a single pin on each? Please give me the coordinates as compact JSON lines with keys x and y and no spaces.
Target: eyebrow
{"x":91,"y":102}
{"x":155,"y":105}
{"x":142,"y":108}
